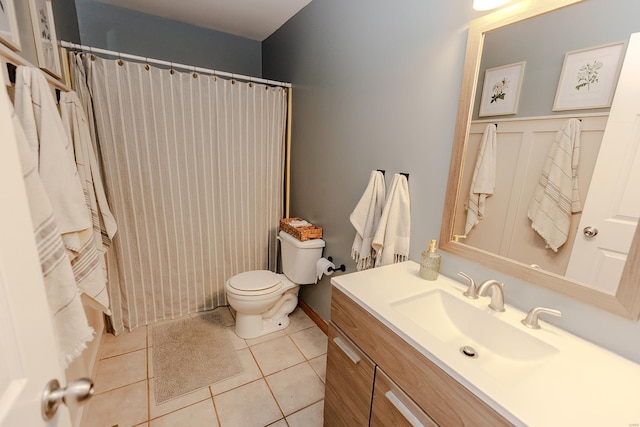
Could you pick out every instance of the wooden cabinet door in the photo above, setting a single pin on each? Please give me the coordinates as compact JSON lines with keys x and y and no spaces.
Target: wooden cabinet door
{"x":349,"y":382}
{"x":392,"y":407}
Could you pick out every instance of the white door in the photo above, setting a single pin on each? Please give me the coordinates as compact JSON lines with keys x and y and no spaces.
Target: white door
{"x":612,"y":206}
{"x":27,"y":349}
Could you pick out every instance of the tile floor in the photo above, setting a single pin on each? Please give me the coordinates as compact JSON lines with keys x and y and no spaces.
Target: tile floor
{"x":282,"y":383}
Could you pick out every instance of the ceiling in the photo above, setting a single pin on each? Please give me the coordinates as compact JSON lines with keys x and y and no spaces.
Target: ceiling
{"x":253,"y":19}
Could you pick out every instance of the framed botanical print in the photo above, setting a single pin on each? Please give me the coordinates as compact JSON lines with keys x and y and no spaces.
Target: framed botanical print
{"x":588,"y":77}
{"x":44,"y":33}
{"x":501,"y":90}
{"x":9,"y":25}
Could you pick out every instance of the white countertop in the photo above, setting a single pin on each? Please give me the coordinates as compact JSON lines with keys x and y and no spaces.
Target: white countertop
{"x":581,"y":385}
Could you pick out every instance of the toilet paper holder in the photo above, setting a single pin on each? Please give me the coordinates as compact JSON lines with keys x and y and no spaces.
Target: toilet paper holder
{"x":341,"y":268}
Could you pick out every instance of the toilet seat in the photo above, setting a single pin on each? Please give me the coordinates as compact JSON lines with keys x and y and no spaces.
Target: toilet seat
{"x":255,"y":282}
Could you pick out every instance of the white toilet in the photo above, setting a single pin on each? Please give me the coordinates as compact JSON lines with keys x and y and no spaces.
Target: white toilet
{"x":262,"y":299}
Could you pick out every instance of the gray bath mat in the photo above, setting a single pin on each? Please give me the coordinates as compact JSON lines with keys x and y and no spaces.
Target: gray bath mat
{"x":192,"y":353}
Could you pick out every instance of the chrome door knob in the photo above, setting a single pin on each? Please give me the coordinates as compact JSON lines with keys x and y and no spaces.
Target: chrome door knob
{"x":74,"y":394}
{"x":590,"y":231}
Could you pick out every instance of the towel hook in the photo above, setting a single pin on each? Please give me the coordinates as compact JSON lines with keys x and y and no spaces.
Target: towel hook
{"x":381,"y":171}
{"x":406,"y":175}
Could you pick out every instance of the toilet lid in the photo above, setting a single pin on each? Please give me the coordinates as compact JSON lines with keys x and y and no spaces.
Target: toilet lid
{"x":258,"y":281}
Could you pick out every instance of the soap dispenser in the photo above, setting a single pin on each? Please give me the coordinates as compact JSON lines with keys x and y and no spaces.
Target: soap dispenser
{"x":430,"y":265}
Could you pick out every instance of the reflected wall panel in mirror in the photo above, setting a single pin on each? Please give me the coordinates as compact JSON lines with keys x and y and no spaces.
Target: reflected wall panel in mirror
{"x":504,"y":239}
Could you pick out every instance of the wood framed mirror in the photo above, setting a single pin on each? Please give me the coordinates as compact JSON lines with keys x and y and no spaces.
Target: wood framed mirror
{"x":623,"y":299}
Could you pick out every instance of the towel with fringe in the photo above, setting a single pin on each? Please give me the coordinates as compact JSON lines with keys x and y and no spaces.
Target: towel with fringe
{"x":70,"y":326}
{"x":365,"y":218}
{"x":92,"y":280}
{"x":53,"y":153}
{"x":556,"y":195}
{"x":391,"y":240}
{"x":483,"y":182}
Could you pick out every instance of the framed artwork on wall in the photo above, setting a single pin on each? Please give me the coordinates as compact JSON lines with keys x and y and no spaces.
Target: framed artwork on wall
{"x":501,"y":90}
{"x":588,"y":77}
{"x":44,"y":32}
{"x":9,"y":25}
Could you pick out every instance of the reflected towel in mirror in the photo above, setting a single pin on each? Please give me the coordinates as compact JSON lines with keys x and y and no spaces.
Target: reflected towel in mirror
{"x":556,"y":196}
{"x":483,"y":182}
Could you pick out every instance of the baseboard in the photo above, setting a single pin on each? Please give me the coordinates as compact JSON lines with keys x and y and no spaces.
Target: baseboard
{"x":324,"y":326}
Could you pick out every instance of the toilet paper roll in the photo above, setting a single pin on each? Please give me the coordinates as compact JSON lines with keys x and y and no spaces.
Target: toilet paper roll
{"x":324,"y":266}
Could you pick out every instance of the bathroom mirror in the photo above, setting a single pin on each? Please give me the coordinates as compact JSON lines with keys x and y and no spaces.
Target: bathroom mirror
{"x":624,"y":297}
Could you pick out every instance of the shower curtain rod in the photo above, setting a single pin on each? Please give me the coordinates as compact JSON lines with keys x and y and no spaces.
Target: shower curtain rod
{"x":174,"y":65}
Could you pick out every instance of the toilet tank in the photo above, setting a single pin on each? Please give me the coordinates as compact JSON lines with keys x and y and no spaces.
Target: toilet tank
{"x":299,"y":258}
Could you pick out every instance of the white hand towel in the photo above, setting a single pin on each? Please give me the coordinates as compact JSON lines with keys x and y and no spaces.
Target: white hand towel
{"x":365,"y":218}
{"x":556,"y":196}
{"x":70,"y":325}
{"x":89,"y":266}
{"x":391,"y":240}
{"x":483,"y":182}
{"x":53,"y":152}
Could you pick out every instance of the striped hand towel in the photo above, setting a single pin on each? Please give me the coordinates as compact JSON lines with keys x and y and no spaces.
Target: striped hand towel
{"x":556,"y":195}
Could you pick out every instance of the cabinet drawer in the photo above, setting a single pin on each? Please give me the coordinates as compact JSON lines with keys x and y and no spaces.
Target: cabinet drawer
{"x":447,"y":401}
{"x":349,"y":382}
{"x":392,"y":407}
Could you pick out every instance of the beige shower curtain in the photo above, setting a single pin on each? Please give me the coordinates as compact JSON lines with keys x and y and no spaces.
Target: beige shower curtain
{"x":194,"y":171}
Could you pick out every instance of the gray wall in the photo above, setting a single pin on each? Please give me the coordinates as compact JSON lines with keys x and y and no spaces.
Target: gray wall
{"x":376,"y":86}
{"x":123,"y":30}
{"x":543,"y":41}
{"x":66,"y":20}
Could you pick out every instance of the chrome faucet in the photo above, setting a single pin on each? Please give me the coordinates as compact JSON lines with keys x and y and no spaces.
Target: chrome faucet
{"x":497,"y":294}
{"x":531,"y":321}
{"x":472,"y":290}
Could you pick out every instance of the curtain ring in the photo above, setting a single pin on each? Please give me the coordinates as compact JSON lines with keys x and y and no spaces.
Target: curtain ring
{"x":91,"y":55}
{"x":172,"y":71}
{"x":250,"y":81}
{"x":213,"y":76}
{"x":195,"y":75}
{"x":146,"y":64}
{"x":120,"y":62}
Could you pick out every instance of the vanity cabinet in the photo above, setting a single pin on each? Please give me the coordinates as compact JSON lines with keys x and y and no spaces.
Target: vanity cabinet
{"x":392,"y":407}
{"x":359,"y":395}
{"x":350,"y":372}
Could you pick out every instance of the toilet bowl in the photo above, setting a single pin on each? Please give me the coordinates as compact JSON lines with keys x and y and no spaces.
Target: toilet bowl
{"x":263,"y":299}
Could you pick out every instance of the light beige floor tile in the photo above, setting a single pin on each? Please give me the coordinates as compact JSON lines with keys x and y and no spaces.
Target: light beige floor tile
{"x":265,"y":338}
{"x":319,"y":364}
{"x":156,"y":410}
{"x":311,"y":341}
{"x":296,"y":387}
{"x":277,"y":354}
{"x":311,"y":416}
{"x":250,"y":373}
{"x":299,"y":321}
{"x":126,"y":406}
{"x":150,"y":362}
{"x":279,"y":423}
{"x":238,"y":342}
{"x":142,"y":425}
{"x":121,"y":370}
{"x":249,"y":405}
{"x":200,"y":414}
{"x":124,"y":343}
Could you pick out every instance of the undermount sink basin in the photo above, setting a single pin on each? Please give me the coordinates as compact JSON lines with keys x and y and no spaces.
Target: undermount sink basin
{"x":506,"y":352}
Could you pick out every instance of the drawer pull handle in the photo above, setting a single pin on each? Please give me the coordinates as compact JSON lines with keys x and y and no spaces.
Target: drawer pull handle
{"x":402,"y":408}
{"x":347,"y":350}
